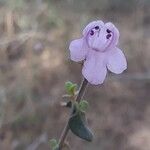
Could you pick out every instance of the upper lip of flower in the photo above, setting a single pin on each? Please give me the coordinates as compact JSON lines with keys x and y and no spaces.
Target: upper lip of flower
{"x":112,"y":37}
{"x":107,"y":44}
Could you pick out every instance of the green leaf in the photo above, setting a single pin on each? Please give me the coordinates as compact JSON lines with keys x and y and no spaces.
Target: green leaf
{"x":56,"y":148}
{"x":68,"y":84}
{"x":54,"y":144}
{"x":70,"y":87}
{"x":78,"y":126}
{"x":73,"y":89}
{"x":83,"y":105}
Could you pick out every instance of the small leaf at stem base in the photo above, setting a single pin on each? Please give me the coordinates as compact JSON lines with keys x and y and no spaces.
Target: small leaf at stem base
{"x":54,"y":144}
{"x":78,"y":126}
{"x":70,"y":88}
{"x":83,"y":105}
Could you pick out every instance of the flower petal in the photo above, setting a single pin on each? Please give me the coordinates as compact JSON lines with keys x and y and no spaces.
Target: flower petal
{"x":78,"y":50}
{"x":92,"y":25}
{"x":116,"y":61}
{"x":94,"y":69}
{"x":115,"y":32}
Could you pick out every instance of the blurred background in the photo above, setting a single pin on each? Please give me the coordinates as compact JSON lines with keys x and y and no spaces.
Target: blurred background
{"x":34,"y":65}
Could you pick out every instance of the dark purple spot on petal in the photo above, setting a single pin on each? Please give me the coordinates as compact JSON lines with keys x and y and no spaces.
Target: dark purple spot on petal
{"x":91,"y":32}
{"x":108,"y":31}
{"x":108,"y":36}
{"x":97,"y":27}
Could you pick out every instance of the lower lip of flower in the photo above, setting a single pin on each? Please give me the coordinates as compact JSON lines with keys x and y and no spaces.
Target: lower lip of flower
{"x":95,"y":49}
{"x":100,"y":50}
{"x":103,"y":48}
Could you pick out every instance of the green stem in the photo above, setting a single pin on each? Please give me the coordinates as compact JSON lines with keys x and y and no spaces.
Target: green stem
{"x":79,"y":97}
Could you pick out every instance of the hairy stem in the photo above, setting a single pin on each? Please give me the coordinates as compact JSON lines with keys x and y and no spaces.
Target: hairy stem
{"x":78,"y":99}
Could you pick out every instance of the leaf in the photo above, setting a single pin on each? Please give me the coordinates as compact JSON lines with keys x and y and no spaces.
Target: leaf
{"x":73,"y":89}
{"x":68,"y":84}
{"x":78,"y":126}
{"x":70,"y":87}
{"x":54,"y":144}
{"x":56,"y":148}
{"x":83,"y":105}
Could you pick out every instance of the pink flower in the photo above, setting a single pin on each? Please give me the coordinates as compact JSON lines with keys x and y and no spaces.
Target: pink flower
{"x":98,"y":49}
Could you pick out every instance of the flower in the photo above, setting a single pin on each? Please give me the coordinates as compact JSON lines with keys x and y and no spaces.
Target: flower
{"x":98,"y":49}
